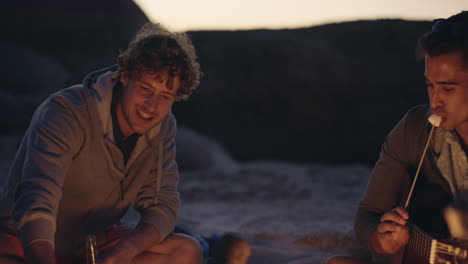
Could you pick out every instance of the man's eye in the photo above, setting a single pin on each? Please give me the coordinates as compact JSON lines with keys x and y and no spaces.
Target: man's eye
{"x":146,"y":89}
{"x":447,"y":89}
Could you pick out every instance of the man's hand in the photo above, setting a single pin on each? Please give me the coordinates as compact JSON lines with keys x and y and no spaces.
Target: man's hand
{"x":122,"y":253}
{"x":391,"y":234}
{"x":138,"y":240}
{"x":40,"y":252}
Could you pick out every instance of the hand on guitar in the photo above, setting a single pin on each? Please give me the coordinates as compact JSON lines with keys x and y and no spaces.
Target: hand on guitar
{"x":391,"y":234}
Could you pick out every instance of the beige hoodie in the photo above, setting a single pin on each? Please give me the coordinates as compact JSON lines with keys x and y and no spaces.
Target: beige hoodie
{"x":68,"y":178}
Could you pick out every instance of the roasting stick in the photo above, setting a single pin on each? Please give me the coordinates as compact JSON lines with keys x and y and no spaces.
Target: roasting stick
{"x":435,"y":120}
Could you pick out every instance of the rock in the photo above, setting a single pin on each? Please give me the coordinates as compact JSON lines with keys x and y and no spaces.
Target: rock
{"x":321,"y":94}
{"x":51,"y":44}
{"x":82,"y":35}
{"x":27,"y":78}
{"x":198,"y":152}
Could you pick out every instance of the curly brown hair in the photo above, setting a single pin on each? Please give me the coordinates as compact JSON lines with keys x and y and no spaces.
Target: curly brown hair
{"x":156,"y":50}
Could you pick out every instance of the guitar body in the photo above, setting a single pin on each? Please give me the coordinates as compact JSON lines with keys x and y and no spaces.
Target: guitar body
{"x":412,"y":257}
{"x":408,"y":256}
{"x":426,"y":211}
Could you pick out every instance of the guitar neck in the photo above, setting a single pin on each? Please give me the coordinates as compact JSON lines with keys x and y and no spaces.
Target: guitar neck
{"x":429,"y":248}
{"x":422,"y":243}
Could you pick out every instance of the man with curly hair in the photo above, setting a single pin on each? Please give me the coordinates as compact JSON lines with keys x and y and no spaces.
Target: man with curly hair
{"x":94,"y":149}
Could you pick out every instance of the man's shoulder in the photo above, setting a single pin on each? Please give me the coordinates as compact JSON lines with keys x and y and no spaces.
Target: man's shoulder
{"x":168,"y":125}
{"x":170,"y":119}
{"x":408,"y":136}
{"x":411,"y":128}
{"x":417,"y":116}
{"x":74,"y":94}
{"x":419,"y":110}
{"x":80,"y":93}
{"x":74,"y":98}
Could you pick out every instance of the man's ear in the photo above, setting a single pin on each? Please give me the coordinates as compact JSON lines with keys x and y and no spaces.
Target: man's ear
{"x":124,"y":78}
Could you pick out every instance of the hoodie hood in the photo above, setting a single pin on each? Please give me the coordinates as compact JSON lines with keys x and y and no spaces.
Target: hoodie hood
{"x":101,"y":84}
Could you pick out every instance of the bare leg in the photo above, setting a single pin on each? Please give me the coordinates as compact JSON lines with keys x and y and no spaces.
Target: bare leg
{"x":231,"y":249}
{"x":176,"y":248}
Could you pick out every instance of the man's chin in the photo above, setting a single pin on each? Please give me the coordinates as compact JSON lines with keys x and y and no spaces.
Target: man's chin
{"x":139,"y":129}
{"x":142,"y":129}
{"x":444,"y":126}
{"x":447,"y":126}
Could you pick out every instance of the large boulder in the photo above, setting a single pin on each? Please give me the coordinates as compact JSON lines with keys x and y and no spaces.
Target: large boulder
{"x":198,"y":152}
{"x":48,"y":45}
{"x":27,"y":78}
{"x":72,"y":31}
{"x":329,"y":93}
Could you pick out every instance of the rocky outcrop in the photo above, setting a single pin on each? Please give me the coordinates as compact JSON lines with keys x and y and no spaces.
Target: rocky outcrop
{"x":27,"y":78}
{"x":48,"y":45}
{"x":71,"y":29}
{"x":329,"y":93}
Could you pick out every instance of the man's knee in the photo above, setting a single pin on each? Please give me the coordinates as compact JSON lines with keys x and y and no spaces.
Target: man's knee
{"x":188,"y":246}
{"x":178,"y":245}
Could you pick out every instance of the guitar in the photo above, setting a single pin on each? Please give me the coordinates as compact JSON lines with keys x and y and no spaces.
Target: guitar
{"x":423,"y":248}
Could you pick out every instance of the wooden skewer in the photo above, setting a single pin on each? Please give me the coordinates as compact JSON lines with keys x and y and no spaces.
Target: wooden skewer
{"x":417,"y":174}
{"x":419,"y":168}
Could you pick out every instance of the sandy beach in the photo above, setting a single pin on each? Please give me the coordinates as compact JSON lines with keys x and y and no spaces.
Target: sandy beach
{"x":289,"y":213}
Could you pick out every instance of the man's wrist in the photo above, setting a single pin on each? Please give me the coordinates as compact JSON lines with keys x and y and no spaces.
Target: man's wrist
{"x":374,"y":245}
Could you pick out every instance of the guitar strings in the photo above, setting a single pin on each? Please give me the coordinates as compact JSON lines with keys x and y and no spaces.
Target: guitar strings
{"x":420,"y":241}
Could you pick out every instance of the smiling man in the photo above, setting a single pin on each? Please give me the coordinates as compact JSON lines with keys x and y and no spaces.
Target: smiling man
{"x":381,"y":221}
{"x":94,"y":149}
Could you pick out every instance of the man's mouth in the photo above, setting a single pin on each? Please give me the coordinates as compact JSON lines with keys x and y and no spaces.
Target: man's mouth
{"x":440,"y":112}
{"x":144,"y":115}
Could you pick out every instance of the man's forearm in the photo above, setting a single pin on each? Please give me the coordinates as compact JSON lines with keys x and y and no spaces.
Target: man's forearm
{"x":365,"y":224}
{"x":40,"y":252}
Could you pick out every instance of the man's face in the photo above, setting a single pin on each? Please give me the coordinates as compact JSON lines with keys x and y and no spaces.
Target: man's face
{"x":145,"y":101}
{"x":447,"y":87}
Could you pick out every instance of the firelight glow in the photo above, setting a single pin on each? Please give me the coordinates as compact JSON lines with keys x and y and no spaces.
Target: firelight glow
{"x":183,"y":15}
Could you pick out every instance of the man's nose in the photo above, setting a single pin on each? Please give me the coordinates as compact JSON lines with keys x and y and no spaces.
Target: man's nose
{"x":435,"y":99}
{"x":152,"y":103}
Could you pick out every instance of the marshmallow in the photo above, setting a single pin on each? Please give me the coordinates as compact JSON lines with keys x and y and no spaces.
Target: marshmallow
{"x":435,"y":120}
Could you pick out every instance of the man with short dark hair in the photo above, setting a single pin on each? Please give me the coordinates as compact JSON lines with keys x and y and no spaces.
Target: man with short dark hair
{"x":94,"y":149}
{"x":381,"y":222}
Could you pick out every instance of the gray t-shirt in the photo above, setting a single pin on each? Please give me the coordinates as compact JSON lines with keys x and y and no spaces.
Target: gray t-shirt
{"x":452,"y":163}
